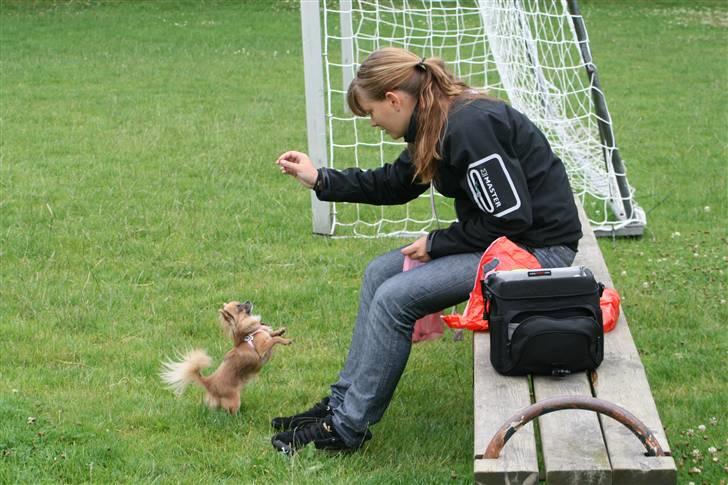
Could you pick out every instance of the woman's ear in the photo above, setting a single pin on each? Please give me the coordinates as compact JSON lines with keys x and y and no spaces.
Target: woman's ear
{"x":394,"y":100}
{"x":400,"y":100}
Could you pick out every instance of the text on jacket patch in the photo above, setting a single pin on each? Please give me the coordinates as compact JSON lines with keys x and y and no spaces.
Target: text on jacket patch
{"x":491,"y":186}
{"x":492,"y":194}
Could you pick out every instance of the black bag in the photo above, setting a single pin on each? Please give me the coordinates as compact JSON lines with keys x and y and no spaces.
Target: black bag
{"x":545,"y":321}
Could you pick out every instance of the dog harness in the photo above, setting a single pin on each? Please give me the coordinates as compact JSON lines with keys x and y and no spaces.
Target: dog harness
{"x":249,"y":338}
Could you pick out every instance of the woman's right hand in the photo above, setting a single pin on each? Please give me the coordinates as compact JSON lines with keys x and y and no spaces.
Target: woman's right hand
{"x":298,"y":165}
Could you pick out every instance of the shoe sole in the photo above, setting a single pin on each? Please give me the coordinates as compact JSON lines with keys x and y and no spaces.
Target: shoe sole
{"x":282,"y":447}
{"x":287,"y":450}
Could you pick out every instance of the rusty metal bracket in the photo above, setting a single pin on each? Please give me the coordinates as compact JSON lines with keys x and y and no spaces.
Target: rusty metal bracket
{"x":527,"y":414}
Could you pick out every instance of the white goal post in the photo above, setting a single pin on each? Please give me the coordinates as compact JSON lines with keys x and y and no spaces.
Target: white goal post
{"x":532,"y":53}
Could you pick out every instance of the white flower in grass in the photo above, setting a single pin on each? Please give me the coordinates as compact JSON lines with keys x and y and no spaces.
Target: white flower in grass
{"x":706,"y":208}
{"x":701,"y":428}
{"x":31,"y":419}
{"x":675,"y":234}
{"x":645,"y":284}
{"x":712,"y":450}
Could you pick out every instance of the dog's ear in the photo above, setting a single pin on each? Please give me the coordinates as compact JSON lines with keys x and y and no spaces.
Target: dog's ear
{"x":245,"y":307}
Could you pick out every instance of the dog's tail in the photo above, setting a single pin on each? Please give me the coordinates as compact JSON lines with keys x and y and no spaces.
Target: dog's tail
{"x":178,"y":375}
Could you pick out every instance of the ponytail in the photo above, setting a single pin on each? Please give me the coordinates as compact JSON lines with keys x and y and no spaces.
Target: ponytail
{"x":428,"y":81}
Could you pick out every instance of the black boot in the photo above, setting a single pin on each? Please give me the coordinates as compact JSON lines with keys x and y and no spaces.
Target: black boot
{"x":322,"y":434}
{"x":314,"y":415}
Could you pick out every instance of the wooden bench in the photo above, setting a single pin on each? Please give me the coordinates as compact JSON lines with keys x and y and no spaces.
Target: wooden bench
{"x":575,"y":446}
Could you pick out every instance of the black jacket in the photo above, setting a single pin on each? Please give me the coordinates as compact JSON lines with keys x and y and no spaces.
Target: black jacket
{"x":499,"y":168}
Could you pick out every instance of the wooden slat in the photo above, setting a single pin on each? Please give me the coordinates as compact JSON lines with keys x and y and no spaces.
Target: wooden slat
{"x":571,"y":440}
{"x":621,"y":379}
{"x":497,"y":398}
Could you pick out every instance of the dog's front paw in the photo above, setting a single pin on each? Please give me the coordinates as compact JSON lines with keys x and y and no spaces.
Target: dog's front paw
{"x":286,"y":341}
{"x":279,"y":332}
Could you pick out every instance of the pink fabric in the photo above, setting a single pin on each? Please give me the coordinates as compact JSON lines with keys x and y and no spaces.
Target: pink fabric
{"x":430,"y":326}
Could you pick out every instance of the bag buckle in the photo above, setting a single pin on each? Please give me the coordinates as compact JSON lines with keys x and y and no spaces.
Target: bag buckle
{"x":560,"y":372}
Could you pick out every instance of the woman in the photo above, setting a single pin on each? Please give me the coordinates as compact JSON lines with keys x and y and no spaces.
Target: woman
{"x":505,"y":180}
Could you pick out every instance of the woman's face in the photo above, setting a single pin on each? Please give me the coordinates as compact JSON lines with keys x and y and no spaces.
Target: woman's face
{"x":391,"y":114}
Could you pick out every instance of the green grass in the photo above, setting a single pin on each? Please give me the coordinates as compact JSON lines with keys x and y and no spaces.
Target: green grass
{"x":138,"y":192}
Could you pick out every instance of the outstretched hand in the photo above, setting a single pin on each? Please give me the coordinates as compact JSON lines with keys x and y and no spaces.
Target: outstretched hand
{"x":298,"y":165}
{"x":417,"y":250}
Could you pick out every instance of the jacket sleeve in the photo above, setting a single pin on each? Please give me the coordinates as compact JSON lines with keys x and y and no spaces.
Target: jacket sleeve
{"x":390,"y":184}
{"x":480,"y":147}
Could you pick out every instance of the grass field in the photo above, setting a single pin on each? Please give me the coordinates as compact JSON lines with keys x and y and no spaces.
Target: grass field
{"x":138,"y":192}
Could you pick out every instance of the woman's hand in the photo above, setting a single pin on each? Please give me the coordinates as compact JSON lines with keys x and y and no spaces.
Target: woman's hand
{"x":417,"y":250}
{"x":298,"y":165}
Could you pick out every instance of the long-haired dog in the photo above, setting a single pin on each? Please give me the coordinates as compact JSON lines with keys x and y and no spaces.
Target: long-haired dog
{"x":253,"y":343}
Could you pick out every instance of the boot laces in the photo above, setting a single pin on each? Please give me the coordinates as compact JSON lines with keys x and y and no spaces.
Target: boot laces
{"x":312,"y":432}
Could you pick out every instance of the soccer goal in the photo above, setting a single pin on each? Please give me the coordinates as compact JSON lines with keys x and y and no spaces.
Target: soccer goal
{"x":532,"y":53}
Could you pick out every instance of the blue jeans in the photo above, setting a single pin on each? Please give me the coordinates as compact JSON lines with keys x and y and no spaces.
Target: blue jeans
{"x":390,"y":303}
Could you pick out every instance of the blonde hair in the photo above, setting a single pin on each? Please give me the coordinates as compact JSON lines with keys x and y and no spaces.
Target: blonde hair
{"x":428,"y":81}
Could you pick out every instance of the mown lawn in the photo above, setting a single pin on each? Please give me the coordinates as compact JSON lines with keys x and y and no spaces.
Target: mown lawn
{"x":138,"y":193}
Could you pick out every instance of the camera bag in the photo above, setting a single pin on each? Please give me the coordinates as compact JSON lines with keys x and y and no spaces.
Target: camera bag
{"x":544,"y":321}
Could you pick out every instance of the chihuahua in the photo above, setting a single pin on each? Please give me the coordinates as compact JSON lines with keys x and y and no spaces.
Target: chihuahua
{"x":253,"y":344}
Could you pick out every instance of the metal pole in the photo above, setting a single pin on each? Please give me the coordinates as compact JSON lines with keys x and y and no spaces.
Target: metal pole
{"x":347,"y":46}
{"x":600,"y":105}
{"x":315,"y":105}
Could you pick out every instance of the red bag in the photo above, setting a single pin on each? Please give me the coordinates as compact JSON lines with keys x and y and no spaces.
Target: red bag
{"x":609,"y":303}
{"x":430,"y":326}
{"x":501,"y":255}
{"x":505,"y":255}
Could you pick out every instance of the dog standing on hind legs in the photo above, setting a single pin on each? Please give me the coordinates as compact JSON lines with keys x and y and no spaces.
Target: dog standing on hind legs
{"x":253,"y":344}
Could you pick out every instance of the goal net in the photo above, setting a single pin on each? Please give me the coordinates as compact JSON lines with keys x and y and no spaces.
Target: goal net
{"x":532,"y":53}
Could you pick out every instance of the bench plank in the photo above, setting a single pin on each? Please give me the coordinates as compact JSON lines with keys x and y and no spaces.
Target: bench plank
{"x":571,"y":440}
{"x":621,"y":379}
{"x":496,"y":398}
